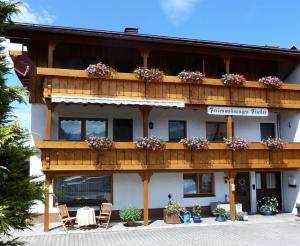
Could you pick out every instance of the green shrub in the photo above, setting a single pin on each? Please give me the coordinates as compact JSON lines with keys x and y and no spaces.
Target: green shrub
{"x":298,"y":205}
{"x":130,"y":214}
{"x":174,"y":207}
{"x":219,"y":212}
{"x":197,"y":210}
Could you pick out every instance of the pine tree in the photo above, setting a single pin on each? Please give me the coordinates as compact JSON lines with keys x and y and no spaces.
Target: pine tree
{"x":18,"y":191}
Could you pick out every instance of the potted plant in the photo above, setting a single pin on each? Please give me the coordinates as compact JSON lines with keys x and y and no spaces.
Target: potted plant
{"x":99,"y":70}
{"x":268,"y":205}
{"x":99,"y":143}
{"x":298,"y":209}
{"x":271,"y":81}
{"x":195,"y":143}
{"x":130,"y":215}
{"x":237,"y":143}
{"x":241,"y":216}
{"x":220,"y":214}
{"x":275,"y":144}
{"x":149,"y":143}
{"x":149,"y":74}
{"x":196,"y":212}
{"x":188,"y":76}
{"x":233,"y":79}
{"x":172,"y":213}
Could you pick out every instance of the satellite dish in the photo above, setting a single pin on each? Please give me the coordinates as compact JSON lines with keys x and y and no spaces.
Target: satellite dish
{"x":23,"y":66}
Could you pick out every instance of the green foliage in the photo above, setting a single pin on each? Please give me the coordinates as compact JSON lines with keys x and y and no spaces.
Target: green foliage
{"x":174,"y":207}
{"x":268,"y":203}
{"x":130,"y":214}
{"x":298,"y":205}
{"x":219,"y":212}
{"x":18,"y":191}
{"x":196,"y":210}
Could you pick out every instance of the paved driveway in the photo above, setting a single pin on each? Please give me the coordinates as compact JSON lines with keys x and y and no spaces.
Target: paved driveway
{"x":263,"y":234}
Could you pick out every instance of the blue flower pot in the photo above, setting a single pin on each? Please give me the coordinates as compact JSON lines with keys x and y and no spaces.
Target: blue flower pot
{"x":220,"y":218}
{"x":228,"y":216}
{"x":267,"y":212}
{"x":196,"y":219}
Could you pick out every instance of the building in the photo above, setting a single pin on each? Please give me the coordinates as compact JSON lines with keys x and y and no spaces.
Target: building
{"x":68,"y":106}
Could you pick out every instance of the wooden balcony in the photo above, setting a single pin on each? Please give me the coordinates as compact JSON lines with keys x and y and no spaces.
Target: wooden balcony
{"x":77,"y":156}
{"x":64,"y":82}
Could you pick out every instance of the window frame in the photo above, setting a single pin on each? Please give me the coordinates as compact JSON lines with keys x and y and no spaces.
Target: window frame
{"x":218,"y":122}
{"x":55,"y":199}
{"x":198,"y":193}
{"x":185,"y":129}
{"x":267,"y":123}
{"x":83,"y":126}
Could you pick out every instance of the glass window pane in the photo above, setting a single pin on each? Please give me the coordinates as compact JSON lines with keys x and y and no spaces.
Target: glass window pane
{"x":189,"y":184}
{"x":95,"y":128}
{"x":70,"y":129}
{"x":271,"y":180}
{"x":206,"y":183}
{"x":267,"y":130}
{"x":177,"y":130}
{"x":258,"y":180}
{"x":83,"y":190}
{"x":215,"y":131}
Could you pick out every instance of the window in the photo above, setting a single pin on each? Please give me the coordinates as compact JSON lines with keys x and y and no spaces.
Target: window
{"x":271,"y":180}
{"x":81,"y":129}
{"x":83,"y":190}
{"x":177,"y":130}
{"x":122,"y":131}
{"x":215,"y":131}
{"x":267,"y":130}
{"x":201,"y":184}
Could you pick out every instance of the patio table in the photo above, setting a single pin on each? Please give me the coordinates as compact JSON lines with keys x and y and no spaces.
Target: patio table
{"x":85,"y":216}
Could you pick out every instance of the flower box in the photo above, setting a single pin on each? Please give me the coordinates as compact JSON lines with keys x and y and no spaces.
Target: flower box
{"x":233,"y":79}
{"x":237,"y":143}
{"x":171,"y":218}
{"x":149,"y":74}
{"x":150,"y":143}
{"x":271,"y":81}
{"x":98,"y":70}
{"x":188,"y":76}
{"x":195,"y":143}
{"x":275,"y":144}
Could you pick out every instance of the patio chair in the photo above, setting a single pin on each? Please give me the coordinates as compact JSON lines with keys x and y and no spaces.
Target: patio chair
{"x":105,"y":213}
{"x":65,"y":217}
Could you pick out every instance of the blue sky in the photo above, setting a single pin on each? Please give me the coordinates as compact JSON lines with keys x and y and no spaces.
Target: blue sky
{"x":262,"y":22}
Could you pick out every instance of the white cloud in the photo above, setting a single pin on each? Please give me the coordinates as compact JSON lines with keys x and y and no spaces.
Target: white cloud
{"x":29,"y":15}
{"x":178,"y":11}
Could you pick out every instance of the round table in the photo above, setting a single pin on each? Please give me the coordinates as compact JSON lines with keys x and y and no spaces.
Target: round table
{"x":85,"y":216}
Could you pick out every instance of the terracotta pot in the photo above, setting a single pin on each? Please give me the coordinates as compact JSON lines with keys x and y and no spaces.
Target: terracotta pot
{"x":130,"y":223}
{"x":171,"y":218}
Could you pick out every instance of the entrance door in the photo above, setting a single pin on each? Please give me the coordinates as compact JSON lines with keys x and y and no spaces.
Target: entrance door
{"x":242,"y":190}
{"x":122,"y":131}
{"x":268,"y":184}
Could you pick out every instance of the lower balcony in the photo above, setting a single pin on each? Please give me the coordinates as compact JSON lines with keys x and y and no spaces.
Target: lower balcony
{"x":77,"y":156}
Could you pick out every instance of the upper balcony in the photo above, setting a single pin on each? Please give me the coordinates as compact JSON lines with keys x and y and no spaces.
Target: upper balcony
{"x":76,"y":83}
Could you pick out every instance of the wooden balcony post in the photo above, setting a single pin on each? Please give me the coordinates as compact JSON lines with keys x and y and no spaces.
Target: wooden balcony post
{"x":51,"y":48}
{"x":231,"y":179}
{"x":227,"y":64}
{"x":50,"y":108}
{"x":145,"y":55}
{"x":145,"y":111}
{"x":46,"y":206}
{"x":145,"y":176}
{"x":229,"y":123}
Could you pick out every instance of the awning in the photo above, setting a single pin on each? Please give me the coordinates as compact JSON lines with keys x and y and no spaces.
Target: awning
{"x":117,"y":101}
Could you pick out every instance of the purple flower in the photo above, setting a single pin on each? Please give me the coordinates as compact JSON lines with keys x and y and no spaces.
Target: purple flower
{"x":233,"y":79}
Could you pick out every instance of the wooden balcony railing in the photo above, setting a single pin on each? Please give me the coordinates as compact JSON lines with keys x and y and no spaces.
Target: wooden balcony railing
{"x":126,"y":85}
{"x":77,"y":156}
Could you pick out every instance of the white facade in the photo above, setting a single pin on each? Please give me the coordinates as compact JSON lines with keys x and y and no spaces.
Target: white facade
{"x":128,"y":188}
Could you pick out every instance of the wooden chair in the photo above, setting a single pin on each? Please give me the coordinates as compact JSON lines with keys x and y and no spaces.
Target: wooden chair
{"x":65,"y":217}
{"x":105,"y":213}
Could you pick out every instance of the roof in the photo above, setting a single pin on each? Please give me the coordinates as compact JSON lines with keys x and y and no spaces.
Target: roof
{"x":24,"y":28}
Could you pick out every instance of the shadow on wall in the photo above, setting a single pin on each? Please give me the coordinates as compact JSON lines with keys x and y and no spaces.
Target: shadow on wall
{"x":291,"y":191}
{"x":290,"y":128}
